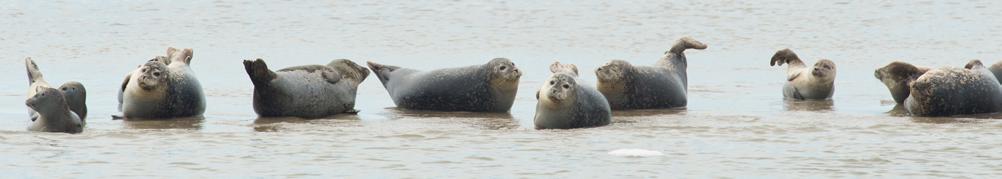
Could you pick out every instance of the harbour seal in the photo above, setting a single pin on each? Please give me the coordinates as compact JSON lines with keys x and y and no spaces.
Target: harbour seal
{"x":944,"y":91}
{"x":565,"y":103}
{"x":310,"y":91}
{"x":663,"y":85}
{"x":74,"y":92}
{"x":803,"y":83}
{"x":164,"y":87}
{"x":54,"y":114}
{"x":490,"y":87}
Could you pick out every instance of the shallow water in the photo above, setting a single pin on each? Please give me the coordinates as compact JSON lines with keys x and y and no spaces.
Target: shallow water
{"x":736,"y":123}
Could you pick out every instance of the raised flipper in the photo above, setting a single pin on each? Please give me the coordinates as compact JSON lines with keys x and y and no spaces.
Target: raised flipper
{"x":259,"y":72}
{"x":686,"y":43}
{"x":382,"y":71}
{"x":788,"y":57}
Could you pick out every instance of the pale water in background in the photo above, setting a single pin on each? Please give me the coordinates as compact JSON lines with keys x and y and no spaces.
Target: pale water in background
{"x":736,"y":123}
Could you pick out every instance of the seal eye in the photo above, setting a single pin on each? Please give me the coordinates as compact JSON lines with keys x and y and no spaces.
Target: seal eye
{"x":156,"y":73}
{"x":503,"y":68}
{"x":553,"y":82}
{"x":567,"y":86}
{"x":64,"y":89}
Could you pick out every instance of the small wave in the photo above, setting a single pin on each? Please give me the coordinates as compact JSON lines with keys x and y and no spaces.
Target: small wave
{"x":635,"y":153}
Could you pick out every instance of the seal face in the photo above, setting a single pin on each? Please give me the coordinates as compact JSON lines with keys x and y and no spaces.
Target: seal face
{"x":805,"y":83}
{"x":309,"y":91}
{"x":663,"y":85}
{"x":490,"y":87}
{"x":46,"y":104}
{"x":54,"y":114}
{"x":944,"y":91}
{"x":163,"y":87}
{"x":564,"y":103}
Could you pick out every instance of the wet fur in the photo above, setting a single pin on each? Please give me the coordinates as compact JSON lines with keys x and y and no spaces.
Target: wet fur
{"x":806,"y":83}
{"x":663,"y":85}
{"x":179,"y":95}
{"x":54,"y":115}
{"x":74,"y":93}
{"x":472,"y":88}
{"x":944,"y":91}
{"x":310,"y":91}
{"x":575,"y":107}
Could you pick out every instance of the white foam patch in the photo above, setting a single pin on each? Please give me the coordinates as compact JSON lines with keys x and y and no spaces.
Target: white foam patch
{"x":635,"y":153}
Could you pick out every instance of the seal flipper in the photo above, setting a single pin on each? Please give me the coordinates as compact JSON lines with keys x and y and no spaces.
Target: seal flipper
{"x":786,"y":56}
{"x":121,"y":91}
{"x":183,"y":56}
{"x":997,"y":70}
{"x":974,"y":64}
{"x":382,"y":71}
{"x":331,"y":75}
{"x":259,"y":72}
{"x":33,"y":73}
{"x":686,"y":43}
{"x":557,"y":67}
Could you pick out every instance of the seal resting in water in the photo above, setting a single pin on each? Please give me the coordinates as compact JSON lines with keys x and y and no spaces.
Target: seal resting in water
{"x":74,"y":92}
{"x":944,"y":91}
{"x":663,"y":85}
{"x":53,"y":113}
{"x":310,"y":91}
{"x":565,"y":103}
{"x":164,"y":87}
{"x":816,"y":82}
{"x":490,"y":87}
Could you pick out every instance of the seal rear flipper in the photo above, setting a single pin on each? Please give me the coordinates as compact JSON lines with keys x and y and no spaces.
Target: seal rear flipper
{"x":786,"y":56}
{"x":259,"y":72}
{"x":33,"y":72}
{"x":382,"y":71}
{"x":686,"y":43}
{"x":183,"y":56}
{"x":558,"y":67}
{"x":974,"y":64}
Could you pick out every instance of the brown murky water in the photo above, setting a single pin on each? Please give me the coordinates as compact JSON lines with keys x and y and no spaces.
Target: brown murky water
{"x":736,"y":124}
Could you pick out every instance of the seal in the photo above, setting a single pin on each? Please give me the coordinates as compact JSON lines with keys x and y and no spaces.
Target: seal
{"x":309,"y":91}
{"x":564,"y":103}
{"x":944,"y":91}
{"x":489,"y":87}
{"x":164,"y":87}
{"x":997,"y":70}
{"x":74,"y":92}
{"x":54,"y":114}
{"x":663,"y":85}
{"x":803,"y":83}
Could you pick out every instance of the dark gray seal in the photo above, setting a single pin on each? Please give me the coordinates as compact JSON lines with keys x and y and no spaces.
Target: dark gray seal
{"x":944,"y":91}
{"x":310,"y":91}
{"x":489,"y":87}
{"x":802,"y":83}
{"x":54,"y":114}
{"x":74,"y":92}
{"x":663,"y":85}
{"x":565,"y":103}
{"x":164,"y":87}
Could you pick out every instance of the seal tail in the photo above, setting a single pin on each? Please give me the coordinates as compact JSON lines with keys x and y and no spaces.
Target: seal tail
{"x":33,"y":72}
{"x":258,"y":71}
{"x":686,"y":43}
{"x":382,"y":71}
{"x":785,"y":56}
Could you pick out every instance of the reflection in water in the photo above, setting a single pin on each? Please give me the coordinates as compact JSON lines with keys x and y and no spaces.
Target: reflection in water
{"x":274,"y":124}
{"x":648,"y":112}
{"x":491,"y":121}
{"x":175,"y":123}
{"x":808,"y":105}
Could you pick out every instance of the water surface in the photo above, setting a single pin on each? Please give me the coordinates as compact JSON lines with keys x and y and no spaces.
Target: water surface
{"x":736,"y":123}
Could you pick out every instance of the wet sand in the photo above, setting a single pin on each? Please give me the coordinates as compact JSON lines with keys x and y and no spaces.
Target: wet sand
{"x":736,"y":123}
